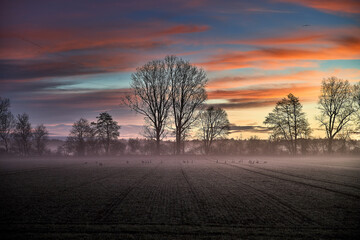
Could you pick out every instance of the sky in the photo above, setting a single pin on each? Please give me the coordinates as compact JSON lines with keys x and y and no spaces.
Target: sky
{"x":63,"y":60}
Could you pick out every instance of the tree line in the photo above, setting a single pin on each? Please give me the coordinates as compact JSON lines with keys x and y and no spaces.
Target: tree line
{"x":17,"y":135}
{"x":94,"y":138}
{"x":170,"y":94}
{"x":339,"y":108}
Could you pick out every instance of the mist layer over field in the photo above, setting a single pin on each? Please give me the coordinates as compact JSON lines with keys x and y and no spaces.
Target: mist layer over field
{"x":187,"y":197}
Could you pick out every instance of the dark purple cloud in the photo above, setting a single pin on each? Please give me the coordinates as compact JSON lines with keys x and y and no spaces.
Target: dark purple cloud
{"x":252,"y":129}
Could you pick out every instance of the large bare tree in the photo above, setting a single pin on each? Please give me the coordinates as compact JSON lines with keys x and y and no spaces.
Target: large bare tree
{"x":288,"y":122}
{"x":151,"y":96}
{"x":187,"y":95}
{"x":214,"y":124}
{"x":336,"y":106}
{"x":7,"y":122}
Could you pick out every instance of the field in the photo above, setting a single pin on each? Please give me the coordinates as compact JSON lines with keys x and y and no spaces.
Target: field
{"x":187,"y":197}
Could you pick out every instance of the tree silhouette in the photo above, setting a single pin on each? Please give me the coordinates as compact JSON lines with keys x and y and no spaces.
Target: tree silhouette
{"x":7,"y":122}
{"x":79,"y":134}
{"x":40,"y":137}
{"x":93,"y":143}
{"x":117,"y":147}
{"x":23,"y":134}
{"x":106,"y":129}
{"x":134,"y":145}
{"x":336,"y":106}
{"x":214,"y":124}
{"x":253,"y":145}
{"x":287,"y":122}
{"x":356,"y":94}
{"x":187,"y":95}
{"x":151,"y":96}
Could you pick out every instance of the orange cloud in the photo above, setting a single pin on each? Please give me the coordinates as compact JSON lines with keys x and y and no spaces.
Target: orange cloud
{"x":306,"y":77}
{"x":242,"y":81}
{"x":179,"y":29}
{"x":262,"y":93}
{"x":260,"y":97}
{"x":297,"y":39}
{"x":263,"y":90}
{"x":344,"y":6}
{"x":342,"y":48}
{"x":241,"y":105}
{"x":295,"y":49}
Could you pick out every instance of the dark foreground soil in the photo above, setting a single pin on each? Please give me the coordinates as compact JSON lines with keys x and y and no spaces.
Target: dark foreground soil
{"x":189,"y":197}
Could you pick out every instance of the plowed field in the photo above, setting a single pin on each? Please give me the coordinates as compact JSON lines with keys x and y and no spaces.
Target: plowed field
{"x":187,"y":197}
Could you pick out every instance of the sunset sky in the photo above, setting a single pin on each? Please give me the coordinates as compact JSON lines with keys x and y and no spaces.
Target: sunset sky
{"x":62,"y":60}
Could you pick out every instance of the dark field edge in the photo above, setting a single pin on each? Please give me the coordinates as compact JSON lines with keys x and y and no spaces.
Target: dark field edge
{"x":291,"y":180}
{"x":304,"y":177}
{"x":11,"y":172}
{"x":307,"y":178}
{"x":138,"y":231}
{"x":78,"y":163}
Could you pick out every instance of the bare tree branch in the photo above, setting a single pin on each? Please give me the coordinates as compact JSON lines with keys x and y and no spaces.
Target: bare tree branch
{"x":336,"y":105}
{"x":151,"y":96}
{"x":214,"y":124}
{"x":187,"y":94}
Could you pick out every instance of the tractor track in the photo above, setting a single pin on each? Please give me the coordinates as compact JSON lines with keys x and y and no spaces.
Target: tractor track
{"x":95,"y":180}
{"x":266,"y":197}
{"x":103,"y":214}
{"x":219,"y":193}
{"x":201,"y":204}
{"x":275,"y":201}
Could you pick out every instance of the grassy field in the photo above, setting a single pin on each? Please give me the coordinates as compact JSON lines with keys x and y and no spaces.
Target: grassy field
{"x":188,"y":197}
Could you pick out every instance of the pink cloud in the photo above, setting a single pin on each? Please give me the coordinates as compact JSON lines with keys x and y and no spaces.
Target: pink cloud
{"x":343,"y":6}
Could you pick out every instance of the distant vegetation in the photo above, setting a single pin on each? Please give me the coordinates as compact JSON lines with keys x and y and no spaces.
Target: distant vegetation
{"x":170,"y":94}
{"x":288,"y":122}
